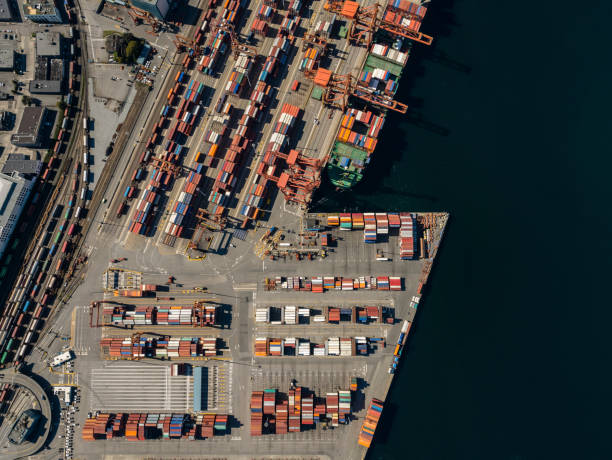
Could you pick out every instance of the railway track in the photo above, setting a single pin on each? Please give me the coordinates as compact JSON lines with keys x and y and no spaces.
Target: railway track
{"x":30,"y":302}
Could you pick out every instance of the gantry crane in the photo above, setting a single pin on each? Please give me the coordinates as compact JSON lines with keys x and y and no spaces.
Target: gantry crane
{"x":215,"y":222}
{"x":296,"y":186}
{"x":338,"y":88}
{"x":297,"y":163}
{"x":314,"y":41}
{"x":237,"y":46}
{"x":139,"y":16}
{"x":168,"y":167}
{"x":181,"y":42}
{"x":135,"y":340}
{"x":365,"y":22}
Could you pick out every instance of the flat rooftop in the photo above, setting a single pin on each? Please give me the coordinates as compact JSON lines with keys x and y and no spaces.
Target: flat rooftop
{"x":5,"y":11}
{"x":29,"y":125}
{"x":39,"y":7}
{"x":7,"y":57}
{"x":48,"y":44}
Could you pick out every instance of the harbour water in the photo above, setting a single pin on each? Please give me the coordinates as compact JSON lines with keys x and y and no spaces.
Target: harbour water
{"x":508,"y":131}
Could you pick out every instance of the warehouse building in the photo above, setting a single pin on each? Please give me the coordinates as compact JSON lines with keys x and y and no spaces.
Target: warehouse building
{"x":22,"y":164}
{"x":14,"y":193}
{"x":7,"y":57}
{"x":6,"y":14}
{"x":157,"y":8}
{"x":48,"y":66}
{"x":48,"y":44}
{"x":42,"y":11}
{"x":29,"y":133}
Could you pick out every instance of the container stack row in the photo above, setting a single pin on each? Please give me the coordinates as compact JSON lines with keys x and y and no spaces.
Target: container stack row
{"x":180,"y":209}
{"x":291,"y":315}
{"x":289,"y":24}
{"x":379,"y":223}
{"x":368,"y":428}
{"x":146,"y":207}
{"x":217,"y":43}
{"x":399,"y":346}
{"x":310,"y":59}
{"x":260,"y":27}
{"x":407,"y":240}
{"x":326,"y":283}
{"x":277,"y":56}
{"x":145,"y":426}
{"x":268,"y":166}
{"x":160,"y":348}
{"x":201,"y":33}
{"x":265,"y":12}
{"x":239,"y":77}
{"x":324,"y":28}
{"x":333,"y":346}
{"x":226,"y":178}
{"x":273,"y":412}
{"x":143,"y":315}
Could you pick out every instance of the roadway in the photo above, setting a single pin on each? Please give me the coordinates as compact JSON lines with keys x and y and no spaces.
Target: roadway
{"x":37,"y":398}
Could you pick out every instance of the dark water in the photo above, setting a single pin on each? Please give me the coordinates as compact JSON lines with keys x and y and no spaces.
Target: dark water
{"x":509,"y":131}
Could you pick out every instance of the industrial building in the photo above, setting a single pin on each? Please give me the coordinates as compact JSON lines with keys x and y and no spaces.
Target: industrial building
{"x":48,"y":44}
{"x":42,"y":11}
{"x":14,"y":192}
{"x":6,"y":13}
{"x":22,"y":164}
{"x":49,"y":66}
{"x":157,"y":8}
{"x":29,"y":133}
{"x":7,"y":56}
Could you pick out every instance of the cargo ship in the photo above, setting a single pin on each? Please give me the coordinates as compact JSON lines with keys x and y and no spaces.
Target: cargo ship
{"x":368,"y":428}
{"x":358,"y":135}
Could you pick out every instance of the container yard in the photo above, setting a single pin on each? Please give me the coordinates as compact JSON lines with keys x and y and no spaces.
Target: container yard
{"x":143,"y":427}
{"x":273,"y":412}
{"x":142,"y":315}
{"x":196,"y":283}
{"x":136,"y":348}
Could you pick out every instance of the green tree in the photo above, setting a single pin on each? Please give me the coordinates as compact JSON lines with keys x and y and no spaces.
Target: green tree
{"x":132,"y":51}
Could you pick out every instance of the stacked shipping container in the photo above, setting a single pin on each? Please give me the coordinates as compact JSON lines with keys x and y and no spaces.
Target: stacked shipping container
{"x":368,"y":428}
{"x":323,"y":283}
{"x":333,"y":346}
{"x":278,"y":413}
{"x":161,"y":347}
{"x":145,"y":426}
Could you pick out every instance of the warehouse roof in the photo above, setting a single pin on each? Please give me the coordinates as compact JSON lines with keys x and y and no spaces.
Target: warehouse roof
{"x":5,"y":11}
{"x":45,"y":86}
{"x":22,"y":164}
{"x":29,"y":126}
{"x":48,"y":44}
{"x":7,"y":57}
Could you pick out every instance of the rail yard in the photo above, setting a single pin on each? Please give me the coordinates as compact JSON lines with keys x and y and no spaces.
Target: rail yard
{"x":189,"y":298}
